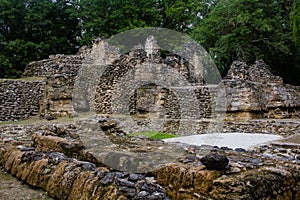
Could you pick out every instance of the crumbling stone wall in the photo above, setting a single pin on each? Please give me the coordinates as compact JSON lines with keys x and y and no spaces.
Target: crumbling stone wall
{"x":254,"y":92}
{"x":146,"y":91}
{"x":60,"y":72}
{"x":57,"y":101}
{"x":55,"y":64}
{"x":19,"y":99}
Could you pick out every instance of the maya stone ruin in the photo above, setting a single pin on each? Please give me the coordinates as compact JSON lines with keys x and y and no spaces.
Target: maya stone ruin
{"x":121,"y":94}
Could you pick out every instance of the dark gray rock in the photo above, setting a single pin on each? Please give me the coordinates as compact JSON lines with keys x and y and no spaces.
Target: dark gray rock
{"x":240,"y":150}
{"x":142,"y":195}
{"x":123,"y":182}
{"x":136,"y":177}
{"x":109,"y":178}
{"x":215,"y":161}
{"x":131,"y":192}
{"x":226,"y":148}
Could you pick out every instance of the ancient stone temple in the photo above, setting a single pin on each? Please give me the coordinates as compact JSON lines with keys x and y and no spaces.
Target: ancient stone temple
{"x":145,"y":82}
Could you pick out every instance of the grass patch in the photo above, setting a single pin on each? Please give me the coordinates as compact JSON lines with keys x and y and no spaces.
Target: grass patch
{"x":153,"y":135}
{"x":36,"y":120}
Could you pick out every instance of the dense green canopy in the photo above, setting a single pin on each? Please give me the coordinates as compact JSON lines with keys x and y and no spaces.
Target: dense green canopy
{"x":295,"y":22}
{"x":33,"y":29}
{"x":248,"y":30}
{"x":230,"y":30}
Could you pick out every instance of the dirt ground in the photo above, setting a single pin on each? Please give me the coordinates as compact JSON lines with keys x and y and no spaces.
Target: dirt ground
{"x":295,"y":139}
{"x":12,"y":189}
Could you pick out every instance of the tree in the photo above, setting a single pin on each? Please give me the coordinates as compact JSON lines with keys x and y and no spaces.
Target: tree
{"x":34,"y":29}
{"x":107,"y":18}
{"x":12,"y":15}
{"x":295,"y":21}
{"x":247,"y":30}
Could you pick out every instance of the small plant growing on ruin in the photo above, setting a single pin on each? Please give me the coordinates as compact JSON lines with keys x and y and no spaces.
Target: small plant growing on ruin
{"x":153,"y":135}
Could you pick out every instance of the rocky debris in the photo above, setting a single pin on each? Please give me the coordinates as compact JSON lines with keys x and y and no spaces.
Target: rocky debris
{"x":22,"y":134}
{"x":284,"y":150}
{"x":55,"y":64}
{"x":215,"y":161}
{"x":110,"y":126}
{"x":264,"y":183}
{"x":248,"y":175}
{"x":19,"y":99}
{"x":49,"y":117}
{"x":67,"y":145}
{"x":258,"y":72}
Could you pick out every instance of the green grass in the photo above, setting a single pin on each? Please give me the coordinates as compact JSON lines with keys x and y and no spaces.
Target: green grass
{"x":37,"y":120}
{"x":153,"y":135}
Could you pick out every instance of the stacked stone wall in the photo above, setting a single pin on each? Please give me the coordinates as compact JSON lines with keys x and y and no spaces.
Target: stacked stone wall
{"x":20,"y":99}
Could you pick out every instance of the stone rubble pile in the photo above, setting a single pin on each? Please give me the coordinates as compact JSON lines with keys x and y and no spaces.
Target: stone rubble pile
{"x":55,"y":64}
{"x":285,"y":150}
{"x":248,"y":176}
{"x":254,"y":92}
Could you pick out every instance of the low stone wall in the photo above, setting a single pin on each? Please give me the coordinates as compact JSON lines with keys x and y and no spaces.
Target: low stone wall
{"x":20,"y":99}
{"x":267,"y":126}
{"x":189,"y":127}
{"x":67,"y":178}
